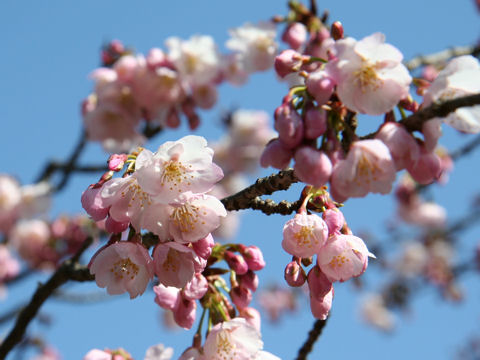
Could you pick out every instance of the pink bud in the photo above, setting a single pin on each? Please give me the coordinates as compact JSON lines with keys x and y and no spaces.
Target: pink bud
{"x":115,"y":227}
{"x":287,"y":61}
{"x":315,"y":123}
{"x":427,"y":169}
{"x":294,"y":274}
{"x":320,"y":309}
{"x":173,"y":119}
{"x":184,"y":314}
{"x":156,"y":58}
{"x":92,"y":202}
{"x":312,"y":166}
{"x":203,"y":247}
{"x":295,"y":35}
{"x":337,"y":30}
{"x":248,"y":280}
{"x":116,"y":161}
{"x":241,"y":296}
{"x":166,"y":296}
{"x":320,"y":86}
{"x":195,"y":288}
{"x":318,"y":284}
{"x":289,"y":125}
{"x":276,"y":155}
{"x":236,"y":262}
{"x":334,"y":219}
{"x":126,"y":67}
{"x":254,"y":258}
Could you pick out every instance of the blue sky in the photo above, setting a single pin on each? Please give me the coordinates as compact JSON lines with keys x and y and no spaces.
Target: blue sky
{"x":49,"y":48}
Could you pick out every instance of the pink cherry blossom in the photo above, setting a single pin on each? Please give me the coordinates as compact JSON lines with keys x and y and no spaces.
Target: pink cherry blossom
{"x":195,"y":288}
{"x":122,"y":266}
{"x":289,"y":125}
{"x":318,"y":284}
{"x":96,"y":354}
{"x":461,"y":77}
{"x":196,"y":59}
{"x":288,"y":61}
{"x":236,"y":262}
{"x":315,"y":123}
{"x":31,"y":240}
{"x":203,"y":247}
{"x":334,"y":220}
{"x":368,"y":167}
{"x":304,"y":235}
{"x":194,"y":217}
{"x":241,"y":296}
{"x":370,"y":76}
{"x":178,"y":167}
{"x":175,"y":264}
{"x":320,"y":85}
{"x":248,"y":280}
{"x":254,"y":257}
{"x":93,"y":204}
{"x":252,"y":316}
{"x":343,"y":257}
{"x":232,"y":340}
{"x":9,"y":266}
{"x":427,"y":168}
{"x":375,"y":312}
{"x":255,"y":45}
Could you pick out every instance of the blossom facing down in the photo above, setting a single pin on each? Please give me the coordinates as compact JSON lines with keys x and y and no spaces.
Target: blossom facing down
{"x":461,"y":77}
{"x":158,"y":352}
{"x":175,"y":264}
{"x":122,"y":267}
{"x":370,"y":76}
{"x":369,"y":167}
{"x":343,"y":257}
{"x":232,"y":340}
{"x":304,"y":235}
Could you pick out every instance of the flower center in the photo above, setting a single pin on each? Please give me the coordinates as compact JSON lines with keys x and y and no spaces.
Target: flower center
{"x":175,"y":173}
{"x":303,"y":236}
{"x":338,"y":261}
{"x":225,"y":349}
{"x":171,"y":263}
{"x":185,"y":217}
{"x":366,"y":171}
{"x":366,"y":77}
{"x":124,"y":268}
{"x":137,"y":194}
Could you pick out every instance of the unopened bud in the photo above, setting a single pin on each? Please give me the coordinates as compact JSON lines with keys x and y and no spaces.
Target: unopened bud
{"x":294,"y":274}
{"x":337,"y":30}
{"x":236,"y":262}
{"x":116,"y":161}
{"x":254,"y":258}
{"x":248,"y":280}
{"x":241,"y":296}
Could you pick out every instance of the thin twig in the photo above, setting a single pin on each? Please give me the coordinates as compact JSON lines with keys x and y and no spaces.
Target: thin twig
{"x":60,"y":277}
{"x":441,"y":56}
{"x":313,"y":336}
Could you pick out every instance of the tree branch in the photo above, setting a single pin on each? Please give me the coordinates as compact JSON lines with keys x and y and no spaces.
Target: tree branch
{"x":263,"y":186}
{"x":415,"y":121}
{"x":60,"y":277}
{"x":441,"y":56}
{"x":313,"y":336}
{"x":270,"y":207}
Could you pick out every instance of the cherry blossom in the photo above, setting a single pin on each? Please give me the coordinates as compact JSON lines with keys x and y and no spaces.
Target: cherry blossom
{"x":122,"y":266}
{"x":368,"y":167}
{"x":461,"y":77}
{"x":370,"y":76}
{"x":304,"y":235}
{"x":255,"y":44}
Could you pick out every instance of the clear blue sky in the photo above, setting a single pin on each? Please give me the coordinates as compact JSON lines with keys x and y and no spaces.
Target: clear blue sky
{"x":49,"y":47}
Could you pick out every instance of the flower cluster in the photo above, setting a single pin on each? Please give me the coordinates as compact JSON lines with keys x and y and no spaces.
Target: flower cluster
{"x":165,"y":193}
{"x":346,"y":77}
{"x":161,"y":86}
{"x":340,"y":254}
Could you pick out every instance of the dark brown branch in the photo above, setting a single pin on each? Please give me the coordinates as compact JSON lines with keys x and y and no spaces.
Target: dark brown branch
{"x":263,"y":186}
{"x":313,"y":336}
{"x":415,"y":121}
{"x":270,"y":207}
{"x":68,"y":167}
{"x":442,"y":56}
{"x":60,"y":277}
{"x":466,"y":148}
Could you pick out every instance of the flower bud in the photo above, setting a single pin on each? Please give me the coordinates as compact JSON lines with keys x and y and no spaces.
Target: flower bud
{"x":318,"y":284}
{"x":295,"y":35}
{"x":241,"y":296}
{"x":203,"y":247}
{"x":116,"y":162}
{"x":288,"y":61}
{"x":236,"y":262}
{"x":248,"y":280}
{"x":315,"y":122}
{"x":320,"y":86}
{"x":312,"y":166}
{"x":295,"y":274}
{"x":334,"y":219}
{"x":337,"y":30}
{"x":289,"y":125}
{"x":254,"y":258}
{"x":276,"y":155}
